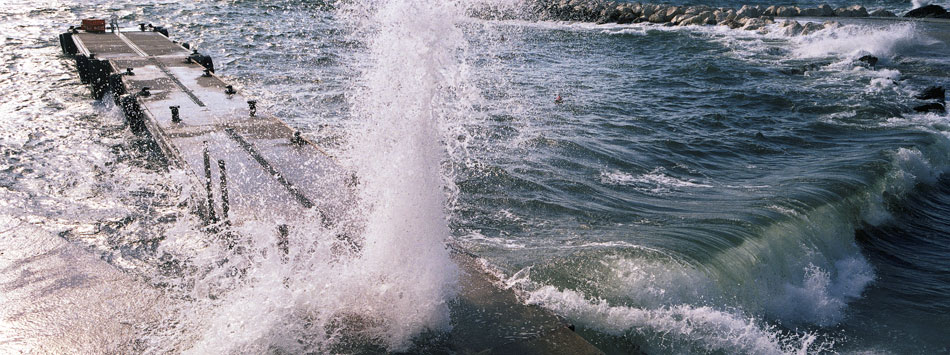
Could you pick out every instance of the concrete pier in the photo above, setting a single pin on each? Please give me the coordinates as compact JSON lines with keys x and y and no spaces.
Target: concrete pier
{"x":243,"y":163}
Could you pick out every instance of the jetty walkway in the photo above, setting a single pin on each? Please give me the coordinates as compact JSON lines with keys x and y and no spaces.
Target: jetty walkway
{"x":244,"y":164}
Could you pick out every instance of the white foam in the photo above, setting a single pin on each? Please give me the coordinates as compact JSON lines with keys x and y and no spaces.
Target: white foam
{"x":656,"y":180}
{"x":919,"y":3}
{"x":639,"y":31}
{"x":823,"y":295}
{"x":509,"y":244}
{"x":414,"y":87}
{"x":398,"y":284}
{"x":853,"y":41}
{"x":702,"y":329}
{"x":913,"y":168}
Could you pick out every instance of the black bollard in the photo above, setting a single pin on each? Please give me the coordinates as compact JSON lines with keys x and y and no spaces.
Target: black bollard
{"x":128,"y":71}
{"x":175,"y":117}
{"x":297,"y":139}
{"x":229,"y":90}
{"x":142,"y":27}
{"x":225,"y":202}
{"x":252,"y":107}
{"x":145,"y":92}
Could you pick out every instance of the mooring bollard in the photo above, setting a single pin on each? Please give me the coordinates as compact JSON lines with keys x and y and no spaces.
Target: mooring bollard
{"x":175,"y":117}
{"x":207,"y":73}
{"x":225,"y":203}
{"x":128,"y":71}
{"x":229,"y":90}
{"x":252,"y":107}
{"x":191,"y":58}
{"x":142,"y":27}
{"x":145,"y":92}
{"x":297,"y":139}
{"x":207,"y":162}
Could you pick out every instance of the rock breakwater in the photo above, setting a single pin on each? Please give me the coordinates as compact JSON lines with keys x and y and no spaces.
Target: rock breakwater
{"x":748,"y":17}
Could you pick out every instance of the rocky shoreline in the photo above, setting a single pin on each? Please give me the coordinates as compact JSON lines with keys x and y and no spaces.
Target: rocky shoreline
{"x":752,"y":18}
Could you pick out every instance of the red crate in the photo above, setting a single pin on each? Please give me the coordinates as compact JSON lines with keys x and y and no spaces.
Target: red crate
{"x":93,"y":25}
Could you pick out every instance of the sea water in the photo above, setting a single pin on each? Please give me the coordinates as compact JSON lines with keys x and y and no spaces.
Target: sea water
{"x":699,"y":189}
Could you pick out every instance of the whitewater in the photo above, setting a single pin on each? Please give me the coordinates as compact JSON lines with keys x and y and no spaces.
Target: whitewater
{"x":700,"y":189}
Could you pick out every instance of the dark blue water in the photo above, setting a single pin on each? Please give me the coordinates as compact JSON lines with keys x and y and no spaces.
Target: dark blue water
{"x":698,"y":190}
{"x":702,"y":168}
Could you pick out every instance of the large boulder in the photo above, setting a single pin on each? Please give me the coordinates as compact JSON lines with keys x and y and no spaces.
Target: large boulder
{"x":673,"y":11}
{"x":821,"y":11}
{"x":929,"y":11}
{"x":852,"y":11}
{"x":831,"y":24}
{"x":609,"y":15}
{"x":719,"y":15}
{"x":790,"y":11}
{"x":810,"y":12}
{"x":933,"y":93}
{"x":811,"y":27}
{"x":731,"y":14}
{"x":882,"y":13}
{"x":680,"y":18}
{"x":690,"y":20}
{"x":696,"y":10}
{"x":931,"y":107}
{"x":793,"y":28}
{"x":749,"y":11}
{"x":732,"y":23}
{"x":704,"y":18}
{"x":626,"y":15}
{"x":647,"y":10}
{"x":870,"y":60}
{"x":753,"y":24}
{"x":637,"y":9}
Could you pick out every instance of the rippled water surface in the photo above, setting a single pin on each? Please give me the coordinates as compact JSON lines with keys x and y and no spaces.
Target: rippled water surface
{"x":700,"y":189}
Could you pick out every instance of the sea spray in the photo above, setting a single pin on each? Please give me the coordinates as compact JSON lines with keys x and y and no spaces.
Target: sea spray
{"x":388,"y":281}
{"x":857,"y":40}
{"x":414,"y":87}
{"x":697,"y":329}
